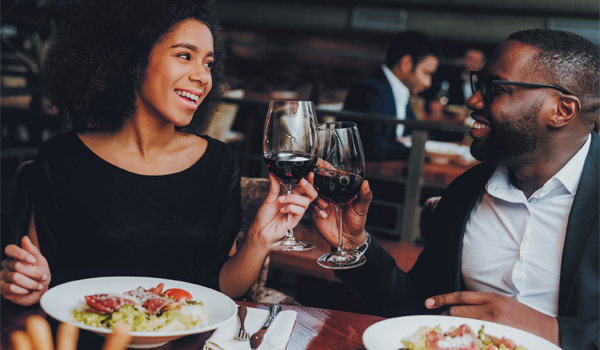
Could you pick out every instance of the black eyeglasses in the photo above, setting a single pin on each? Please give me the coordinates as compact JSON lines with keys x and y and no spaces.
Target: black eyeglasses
{"x":486,"y":85}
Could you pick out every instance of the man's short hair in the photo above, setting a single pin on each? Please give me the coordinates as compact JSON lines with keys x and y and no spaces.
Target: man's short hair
{"x":569,"y":61}
{"x":415,"y":44}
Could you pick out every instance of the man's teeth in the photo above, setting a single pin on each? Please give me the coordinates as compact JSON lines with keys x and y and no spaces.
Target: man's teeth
{"x":188,"y":95}
{"x":479,"y":125}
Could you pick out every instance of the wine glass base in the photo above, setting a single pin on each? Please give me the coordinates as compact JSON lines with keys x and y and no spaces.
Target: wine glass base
{"x":341,"y":262}
{"x":295,"y":246}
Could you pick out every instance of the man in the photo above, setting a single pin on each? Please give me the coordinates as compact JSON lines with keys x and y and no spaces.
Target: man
{"x":411,"y":60}
{"x":514,"y":239}
{"x":455,"y":80}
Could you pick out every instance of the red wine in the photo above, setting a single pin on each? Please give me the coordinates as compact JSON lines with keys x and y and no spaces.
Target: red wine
{"x":337,"y":186}
{"x":290,"y":166}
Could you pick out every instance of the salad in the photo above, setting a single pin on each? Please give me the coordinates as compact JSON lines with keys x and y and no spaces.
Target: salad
{"x":461,"y":338}
{"x":143,"y":310}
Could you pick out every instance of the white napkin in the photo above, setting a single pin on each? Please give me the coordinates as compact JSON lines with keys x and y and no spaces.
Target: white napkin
{"x":276,"y":337}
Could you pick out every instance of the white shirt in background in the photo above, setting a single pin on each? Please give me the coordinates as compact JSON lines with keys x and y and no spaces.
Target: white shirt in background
{"x":513,"y":245}
{"x":401,"y":97}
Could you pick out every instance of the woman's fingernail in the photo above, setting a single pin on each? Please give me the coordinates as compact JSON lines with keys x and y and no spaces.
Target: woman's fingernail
{"x":303,"y":181}
{"x":30,"y":259}
{"x":44,"y":277}
{"x":40,"y":287}
{"x":323,"y":214}
{"x":429,"y":302}
{"x":281,"y":198}
{"x":367,"y":188}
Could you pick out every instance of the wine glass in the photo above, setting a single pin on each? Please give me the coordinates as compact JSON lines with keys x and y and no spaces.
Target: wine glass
{"x":289,"y":150}
{"x":339,"y":174}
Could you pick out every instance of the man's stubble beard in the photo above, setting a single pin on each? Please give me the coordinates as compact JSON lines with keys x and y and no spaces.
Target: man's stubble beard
{"x":511,"y":143}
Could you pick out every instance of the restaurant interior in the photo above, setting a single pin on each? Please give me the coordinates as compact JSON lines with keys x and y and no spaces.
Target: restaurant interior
{"x":298,"y":50}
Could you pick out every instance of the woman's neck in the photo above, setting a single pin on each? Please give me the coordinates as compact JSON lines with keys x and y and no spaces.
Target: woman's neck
{"x":145,"y":137}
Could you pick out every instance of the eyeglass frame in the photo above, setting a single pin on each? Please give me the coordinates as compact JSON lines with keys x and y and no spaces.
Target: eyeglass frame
{"x":490,"y":98}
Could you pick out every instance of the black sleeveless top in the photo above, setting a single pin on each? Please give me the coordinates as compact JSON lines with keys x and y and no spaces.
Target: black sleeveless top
{"x":95,"y":219}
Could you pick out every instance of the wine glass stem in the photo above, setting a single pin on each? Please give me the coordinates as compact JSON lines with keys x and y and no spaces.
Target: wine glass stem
{"x":289,"y":236}
{"x":338,"y":216}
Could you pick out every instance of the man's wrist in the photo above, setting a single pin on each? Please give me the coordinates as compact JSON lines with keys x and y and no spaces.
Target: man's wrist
{"x":360,"y":249}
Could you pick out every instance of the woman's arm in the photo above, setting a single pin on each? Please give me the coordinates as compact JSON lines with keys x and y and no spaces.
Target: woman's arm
{"x":25,"y":274}
{"x":276,"y":215}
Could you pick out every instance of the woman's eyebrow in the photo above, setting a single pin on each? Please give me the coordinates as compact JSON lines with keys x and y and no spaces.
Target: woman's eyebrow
{"x":185,"y":45}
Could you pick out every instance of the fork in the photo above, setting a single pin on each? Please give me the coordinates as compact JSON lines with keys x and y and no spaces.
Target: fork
{"x":242,"y":334}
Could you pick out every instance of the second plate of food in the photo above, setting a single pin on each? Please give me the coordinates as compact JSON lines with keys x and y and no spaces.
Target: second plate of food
{"x":389,"y":334}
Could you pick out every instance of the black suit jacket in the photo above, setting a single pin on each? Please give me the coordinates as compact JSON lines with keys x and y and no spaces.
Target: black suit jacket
{"x":388,"y":291}
{"x":374,"y":95}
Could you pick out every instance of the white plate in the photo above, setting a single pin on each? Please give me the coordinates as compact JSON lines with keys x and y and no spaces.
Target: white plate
{"x":59,"y":301}
{"x":388,"y":334}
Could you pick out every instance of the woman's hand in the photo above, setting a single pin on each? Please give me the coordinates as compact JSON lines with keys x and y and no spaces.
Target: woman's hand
{"x":281,"y":213}
{"x":354,"y":217}
{"x":25,"y":274}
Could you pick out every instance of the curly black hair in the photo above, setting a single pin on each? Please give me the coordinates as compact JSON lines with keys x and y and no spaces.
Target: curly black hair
{"x":568,"y":60}
{"x":101,"y":53}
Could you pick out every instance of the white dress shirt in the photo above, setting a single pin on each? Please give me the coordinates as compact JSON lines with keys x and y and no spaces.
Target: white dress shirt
{"x":401,"y":97}
{"x":513,"y":245}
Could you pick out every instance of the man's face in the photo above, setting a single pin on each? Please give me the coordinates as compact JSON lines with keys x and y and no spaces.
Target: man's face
{"x":473,"y":60}
{"x":508,"y":130}
{"x":419,"y":78}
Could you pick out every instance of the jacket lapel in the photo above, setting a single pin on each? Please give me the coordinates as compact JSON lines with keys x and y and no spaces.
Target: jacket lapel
{"x":582,"y":219}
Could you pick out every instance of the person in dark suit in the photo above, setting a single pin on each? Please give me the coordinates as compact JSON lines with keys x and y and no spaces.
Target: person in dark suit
{"x":514,"y":240}
{"x":411,"y":60}
{"x":453,"y":81}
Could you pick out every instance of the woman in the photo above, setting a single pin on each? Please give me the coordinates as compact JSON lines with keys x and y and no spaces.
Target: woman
{"x":134,"y":191}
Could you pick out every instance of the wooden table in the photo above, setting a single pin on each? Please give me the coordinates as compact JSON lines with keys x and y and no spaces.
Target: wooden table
{"x":318,"y":329}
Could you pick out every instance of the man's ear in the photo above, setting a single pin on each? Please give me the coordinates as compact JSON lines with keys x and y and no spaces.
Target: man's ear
{"x":404,"y":66}
{"x":567,"y":109}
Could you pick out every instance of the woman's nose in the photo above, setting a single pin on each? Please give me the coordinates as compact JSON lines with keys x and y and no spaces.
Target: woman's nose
{"x":201,"y":74}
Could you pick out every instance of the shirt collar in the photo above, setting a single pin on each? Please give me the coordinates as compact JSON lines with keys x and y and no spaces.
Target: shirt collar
{"x":399,"y":90}
{"x":499,"y":184}
{"x":570,"y":174}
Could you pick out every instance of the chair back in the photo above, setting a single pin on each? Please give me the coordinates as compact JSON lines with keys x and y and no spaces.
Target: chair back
{"x":254,"y":192}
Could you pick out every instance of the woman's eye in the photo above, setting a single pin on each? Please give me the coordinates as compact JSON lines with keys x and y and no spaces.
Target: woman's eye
{"x":209,"y":64}
{"x":185,"y":56}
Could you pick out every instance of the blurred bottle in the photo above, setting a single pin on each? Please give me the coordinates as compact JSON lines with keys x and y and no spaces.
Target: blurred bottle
{"x":442,"y":96}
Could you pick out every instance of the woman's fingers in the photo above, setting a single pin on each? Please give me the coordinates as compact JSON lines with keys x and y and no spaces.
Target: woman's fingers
{"x":15,"y":252}
{"x":20,"y":340}
{"x":26,"y":269}
{"x":21,"y":281}
{"x":295,"y":199}
{"x":66,"y":337}
{"x":40,"y":333}
{"x":293,"y":209}
{"x":119,"y":339}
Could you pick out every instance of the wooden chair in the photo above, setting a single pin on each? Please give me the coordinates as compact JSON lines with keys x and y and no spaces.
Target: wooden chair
{"x":254,"y":191}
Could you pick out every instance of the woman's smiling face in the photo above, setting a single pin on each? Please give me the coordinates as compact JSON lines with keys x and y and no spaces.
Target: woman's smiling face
{"x":178,"y":76}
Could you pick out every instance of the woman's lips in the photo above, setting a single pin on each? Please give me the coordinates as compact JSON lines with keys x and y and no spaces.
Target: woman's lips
{"x":189,"y":99}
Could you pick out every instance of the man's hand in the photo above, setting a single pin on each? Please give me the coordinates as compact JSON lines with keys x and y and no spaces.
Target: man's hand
{"x":500,"y":309}
{"x":354,"y":216}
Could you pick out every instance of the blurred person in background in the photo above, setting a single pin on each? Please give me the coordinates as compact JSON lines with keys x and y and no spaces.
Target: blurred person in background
{"x":411,"y":60}
{"x":452,"y":84}
{"x":514,"y":240}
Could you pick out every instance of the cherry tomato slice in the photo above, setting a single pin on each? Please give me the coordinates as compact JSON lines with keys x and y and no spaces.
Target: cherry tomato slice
{"x":177,"y":293}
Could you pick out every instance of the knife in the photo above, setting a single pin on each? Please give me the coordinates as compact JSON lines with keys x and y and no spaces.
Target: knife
{"x":257,"y":337}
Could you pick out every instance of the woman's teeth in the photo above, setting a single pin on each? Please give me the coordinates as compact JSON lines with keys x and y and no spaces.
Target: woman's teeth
{"x":188,"y":95}
{"x":479,"y":125}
